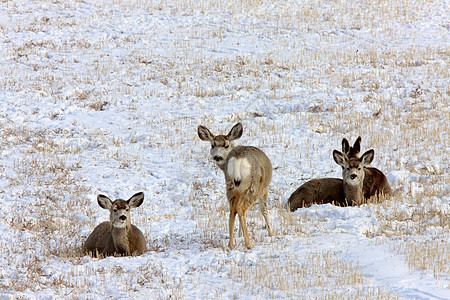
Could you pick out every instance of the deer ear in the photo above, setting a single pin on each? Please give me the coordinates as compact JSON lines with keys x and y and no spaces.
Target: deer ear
{"x":104,"y":202}
{"x":367,"y":157}
{"x":204,"y":134}
{"x":136,"y":200}
{"x":235,"y":132}
{"x":357,"y":146}
{"x":339,"y":157}
{"x":345,"y":145}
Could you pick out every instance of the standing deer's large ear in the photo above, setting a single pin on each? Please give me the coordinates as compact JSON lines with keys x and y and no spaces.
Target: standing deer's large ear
{"x":104,"y":202}
{"x":204,"y":134}
{"x":367,"y":157}
{"x":339,"y":157}
{"x":345,"y":146}
{"x":235,"y":132}
{"x":136,"y":200}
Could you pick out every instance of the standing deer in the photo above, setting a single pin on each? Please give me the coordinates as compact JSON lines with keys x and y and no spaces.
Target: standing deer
{"x":117,"y":237}
{"x":248,"y":173}
{"x":371,"y":181}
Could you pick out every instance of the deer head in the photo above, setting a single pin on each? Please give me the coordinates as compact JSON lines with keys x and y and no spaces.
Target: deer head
{"x":119,"y":210}
{"x":353,"y":167}
{"x":221,"y":145}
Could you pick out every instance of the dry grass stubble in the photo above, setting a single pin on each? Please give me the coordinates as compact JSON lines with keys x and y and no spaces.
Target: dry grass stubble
{"x":406,"y":130}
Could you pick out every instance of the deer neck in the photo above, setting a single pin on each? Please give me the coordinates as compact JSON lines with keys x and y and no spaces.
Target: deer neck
{"x":225,"y":161}
{"x":222,"y":166}
{"x":354,"y":193}
{"x":121,"y":241}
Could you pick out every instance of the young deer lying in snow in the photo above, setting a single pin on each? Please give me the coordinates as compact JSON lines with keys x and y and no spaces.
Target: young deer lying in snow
{"x":358,"y":180}
{"x":117,"y":237}
{"x":248,"y":173}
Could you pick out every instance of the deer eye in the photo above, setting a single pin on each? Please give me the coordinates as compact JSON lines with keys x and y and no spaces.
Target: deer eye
{"x":227,"y":146}
{"x":115,"y":209}
{"x":127,"y":209}
{"x":359,"y":169}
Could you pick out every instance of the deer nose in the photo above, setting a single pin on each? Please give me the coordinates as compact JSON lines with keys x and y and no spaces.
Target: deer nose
{"x":217,"y":158}
{"x":123,"y":218}
{"x":353,"y":176}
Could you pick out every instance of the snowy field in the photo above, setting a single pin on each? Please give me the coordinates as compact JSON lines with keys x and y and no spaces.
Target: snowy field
{"x":106,"y":96}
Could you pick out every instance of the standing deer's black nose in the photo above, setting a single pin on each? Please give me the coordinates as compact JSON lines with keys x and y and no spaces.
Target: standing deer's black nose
{"x":123,"y":218}
{"x":217,"y":158}
{"x":353,"y":176}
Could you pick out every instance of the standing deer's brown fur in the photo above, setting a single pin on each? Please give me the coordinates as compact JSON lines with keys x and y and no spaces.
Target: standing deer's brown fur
{"x":360,"y":183}
{"x":248,"y":173}
{"x":117,"y":237}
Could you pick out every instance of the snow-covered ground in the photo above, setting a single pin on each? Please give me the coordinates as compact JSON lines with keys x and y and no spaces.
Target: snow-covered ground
{"x":106,"y":96}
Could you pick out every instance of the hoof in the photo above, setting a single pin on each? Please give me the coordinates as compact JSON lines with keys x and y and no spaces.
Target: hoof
{"x":231,"y":245}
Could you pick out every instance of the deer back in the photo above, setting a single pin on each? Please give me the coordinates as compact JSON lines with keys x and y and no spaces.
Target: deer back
{"x":375,"y":183}
{"x":318,"y":191}
{"x":248,"y":167}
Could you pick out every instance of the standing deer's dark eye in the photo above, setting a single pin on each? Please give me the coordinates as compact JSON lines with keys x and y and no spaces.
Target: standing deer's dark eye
{"x":226,"y":146}
{"x":115,"y":209}
{"x":359,"y":169}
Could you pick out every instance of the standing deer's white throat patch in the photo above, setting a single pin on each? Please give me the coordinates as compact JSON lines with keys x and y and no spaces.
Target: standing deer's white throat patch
{"x":238,"y":169}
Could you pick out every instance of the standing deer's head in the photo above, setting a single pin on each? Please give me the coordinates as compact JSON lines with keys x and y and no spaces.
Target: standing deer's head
{"x":221,"y":145}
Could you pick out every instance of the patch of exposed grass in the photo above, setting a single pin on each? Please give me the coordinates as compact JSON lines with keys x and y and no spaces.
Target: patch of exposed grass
{"x":321,"y":274}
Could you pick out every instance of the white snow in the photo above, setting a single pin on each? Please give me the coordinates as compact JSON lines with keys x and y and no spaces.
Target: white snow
{"x":105,"y":97}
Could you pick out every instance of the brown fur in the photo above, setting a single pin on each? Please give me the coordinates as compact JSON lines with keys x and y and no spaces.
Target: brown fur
{"x":361,"y":183}
{"x":107,"y":240}
{"x":318,"y":191}
{"x":332,"y":190}
{"x":125,"y":245}
{"x":244,"y":195}
{"x":244,"y":190}
{"x":375,"y":184}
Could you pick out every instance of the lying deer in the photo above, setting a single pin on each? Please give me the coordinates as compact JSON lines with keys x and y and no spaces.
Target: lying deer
{"x":117,"y":237}
{"x":358,"y":180}
{"x":248,"y":173}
